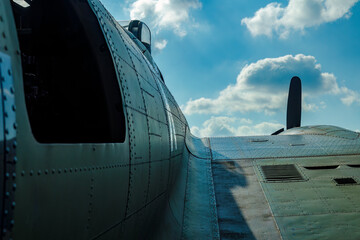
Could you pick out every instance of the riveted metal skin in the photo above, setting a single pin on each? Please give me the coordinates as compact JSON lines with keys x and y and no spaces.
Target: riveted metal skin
{"x":96,"y":190}
{"x":3,"y":176}
{"x":8,"y":140}
{"x":153,"y":160}
{"x":312,"y":206}
{"x":9,"y":61}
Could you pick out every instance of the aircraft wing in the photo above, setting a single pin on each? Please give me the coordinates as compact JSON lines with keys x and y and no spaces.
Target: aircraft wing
{"x":302,"y":184}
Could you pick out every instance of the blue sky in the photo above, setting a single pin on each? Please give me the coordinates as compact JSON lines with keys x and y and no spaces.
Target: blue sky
{"x":229,"y":63}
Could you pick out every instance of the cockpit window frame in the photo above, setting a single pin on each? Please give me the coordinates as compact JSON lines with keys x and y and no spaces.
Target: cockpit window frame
{"x":136,"y":28}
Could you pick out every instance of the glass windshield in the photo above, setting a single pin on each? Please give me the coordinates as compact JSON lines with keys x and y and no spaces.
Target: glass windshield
{"x":124,"y":23}
{"x":145,"y":34}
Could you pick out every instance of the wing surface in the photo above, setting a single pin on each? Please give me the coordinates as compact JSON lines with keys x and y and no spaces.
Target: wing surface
{"x":302,"y":184}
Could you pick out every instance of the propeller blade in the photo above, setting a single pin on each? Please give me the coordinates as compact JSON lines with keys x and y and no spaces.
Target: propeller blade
{"x":293,"y":118}
{"x":278,"y":131}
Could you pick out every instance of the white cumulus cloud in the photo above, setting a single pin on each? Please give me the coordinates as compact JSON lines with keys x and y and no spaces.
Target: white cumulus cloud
{"x":263,"y":87}
{"x":350,"y":96}
{"x":160,"y":45}
{"x":232,"y":126}
{"x":297,"y":15}
{"x":165,"y":14}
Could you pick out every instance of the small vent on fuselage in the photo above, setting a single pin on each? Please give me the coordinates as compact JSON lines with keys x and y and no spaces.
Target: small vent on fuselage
{"x":354,"y":165}
{"x":281,"y":173}
{"x":345,"y":181}
{"x":322,"y":167}
{"x":258,"y":140}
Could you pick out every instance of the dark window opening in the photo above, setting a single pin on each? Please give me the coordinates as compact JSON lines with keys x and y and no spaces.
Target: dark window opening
{"x":71,"y":89}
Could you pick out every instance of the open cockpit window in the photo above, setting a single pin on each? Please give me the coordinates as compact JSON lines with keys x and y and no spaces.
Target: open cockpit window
{"x":71,"y":89}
